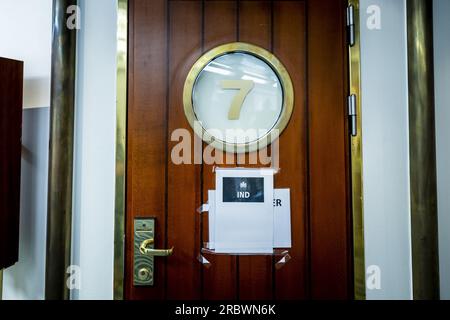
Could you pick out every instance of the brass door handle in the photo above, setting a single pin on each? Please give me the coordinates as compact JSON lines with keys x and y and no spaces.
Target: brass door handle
{"x":154,"y":252}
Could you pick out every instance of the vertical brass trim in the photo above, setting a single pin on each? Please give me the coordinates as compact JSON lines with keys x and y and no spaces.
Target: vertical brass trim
{"x":356,"y":164}
{"x":59,"y":219}
{"x":1,"y":284}
{"x":121,"y":126}
{"x":424,"y":221}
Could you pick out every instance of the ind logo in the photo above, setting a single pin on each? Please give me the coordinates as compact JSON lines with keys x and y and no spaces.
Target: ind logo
{"x":242,"y":194}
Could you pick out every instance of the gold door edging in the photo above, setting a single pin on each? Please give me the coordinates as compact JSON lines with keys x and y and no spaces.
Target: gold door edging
{"x":121,"y":126}
{"x":357,"y":163}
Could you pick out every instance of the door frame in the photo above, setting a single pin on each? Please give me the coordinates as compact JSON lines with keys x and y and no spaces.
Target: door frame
{"x":355,"y":157}
{"x":356,"y":162}
{"x":121,"y":147}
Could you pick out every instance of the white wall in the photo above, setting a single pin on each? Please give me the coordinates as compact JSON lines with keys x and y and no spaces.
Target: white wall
{"x":93,"y":225}
{"x":94,"y":185}
{"x":385,"y":149}
{"x":26,"y":279}
{"x":442,"y":81}
{"x":26,"y":34}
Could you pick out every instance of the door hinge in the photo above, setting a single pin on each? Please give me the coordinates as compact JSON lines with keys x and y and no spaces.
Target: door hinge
{"x":351,"y":25}
{"x":353,"y":123}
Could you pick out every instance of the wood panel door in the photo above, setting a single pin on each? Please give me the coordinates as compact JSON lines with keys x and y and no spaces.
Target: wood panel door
{"x":165,"y":40}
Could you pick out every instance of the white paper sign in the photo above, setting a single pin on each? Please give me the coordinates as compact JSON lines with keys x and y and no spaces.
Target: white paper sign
{"x":281,"y":212}
{"x":244,"y":216}
{"x":282,"y":219}
{"x":211,"y":219}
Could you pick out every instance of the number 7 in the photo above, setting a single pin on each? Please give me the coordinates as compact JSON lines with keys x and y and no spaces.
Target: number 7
{"x":244,"y":87}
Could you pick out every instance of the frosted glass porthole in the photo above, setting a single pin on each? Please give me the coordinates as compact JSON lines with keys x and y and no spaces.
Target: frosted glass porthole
{"x":236,"y":95}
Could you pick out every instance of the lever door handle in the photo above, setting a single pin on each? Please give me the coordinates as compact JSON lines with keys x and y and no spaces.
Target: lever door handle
{"x":154,"y":252}
{"x":144,"y":252}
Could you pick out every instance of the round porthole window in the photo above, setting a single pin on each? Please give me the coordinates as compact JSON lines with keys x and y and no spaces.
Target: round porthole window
{"x":238,"y":97}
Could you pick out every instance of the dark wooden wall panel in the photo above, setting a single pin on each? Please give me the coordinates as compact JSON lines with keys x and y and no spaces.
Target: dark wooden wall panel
{"x":11,"y":88}
{"x":146,"y":145}
{"x":329,"y":151}
{"x":183,"y":189}
{"x":219,"y":281}
{"x":255,"y":272}
{"x":290,"y":46}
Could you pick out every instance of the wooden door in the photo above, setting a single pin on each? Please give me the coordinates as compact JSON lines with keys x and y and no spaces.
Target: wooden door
{"x":165,"y":40}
